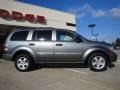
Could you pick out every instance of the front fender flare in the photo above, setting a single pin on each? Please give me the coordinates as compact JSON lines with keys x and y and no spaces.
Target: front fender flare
{"x":89,"y":51}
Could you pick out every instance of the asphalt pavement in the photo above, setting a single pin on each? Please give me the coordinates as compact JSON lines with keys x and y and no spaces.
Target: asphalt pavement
{"x":59,"y":77}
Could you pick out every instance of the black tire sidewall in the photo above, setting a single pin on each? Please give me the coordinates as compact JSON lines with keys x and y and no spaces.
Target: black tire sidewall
{"x":90,"y":62}
{"x":29,"y":62}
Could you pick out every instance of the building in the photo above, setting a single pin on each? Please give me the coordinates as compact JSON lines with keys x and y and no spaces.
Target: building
{"x":15,"y":14}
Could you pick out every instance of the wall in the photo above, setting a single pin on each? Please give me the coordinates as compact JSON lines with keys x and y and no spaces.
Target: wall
{"x":53,"y":18}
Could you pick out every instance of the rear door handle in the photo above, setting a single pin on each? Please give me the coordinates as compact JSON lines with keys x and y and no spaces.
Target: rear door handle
{"x":31,"y":44}
{"x":59,"y":44}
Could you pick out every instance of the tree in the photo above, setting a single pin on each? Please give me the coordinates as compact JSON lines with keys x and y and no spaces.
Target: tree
{"x":103,"y":41}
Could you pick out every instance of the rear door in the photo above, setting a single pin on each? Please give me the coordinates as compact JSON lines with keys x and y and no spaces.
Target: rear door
{"x":42,"y":45}
{"x":66,"y":48}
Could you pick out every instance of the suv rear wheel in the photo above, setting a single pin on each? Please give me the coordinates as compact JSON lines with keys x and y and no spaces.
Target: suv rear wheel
{"x":23,"y":62}
{"x":98,"y":62}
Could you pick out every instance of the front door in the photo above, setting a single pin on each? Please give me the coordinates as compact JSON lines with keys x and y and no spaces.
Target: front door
{"x":66,"y":48}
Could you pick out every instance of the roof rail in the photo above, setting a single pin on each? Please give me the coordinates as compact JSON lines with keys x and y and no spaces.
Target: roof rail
{"x":45,"y":28}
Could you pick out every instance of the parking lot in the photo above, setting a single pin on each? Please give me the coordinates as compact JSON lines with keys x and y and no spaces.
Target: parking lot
{"x":59,"y":77}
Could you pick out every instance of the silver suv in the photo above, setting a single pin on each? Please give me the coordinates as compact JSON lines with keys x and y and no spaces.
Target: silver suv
{"x":51,"y":45}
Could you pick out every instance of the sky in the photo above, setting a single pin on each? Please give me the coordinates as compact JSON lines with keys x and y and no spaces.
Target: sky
{"x":104,"y":13}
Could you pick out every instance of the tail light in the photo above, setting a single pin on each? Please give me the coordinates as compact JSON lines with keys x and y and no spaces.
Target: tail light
{"x":5,"y":49}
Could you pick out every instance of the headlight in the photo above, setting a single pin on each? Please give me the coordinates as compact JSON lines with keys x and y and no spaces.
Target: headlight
{"x":111,"y":48}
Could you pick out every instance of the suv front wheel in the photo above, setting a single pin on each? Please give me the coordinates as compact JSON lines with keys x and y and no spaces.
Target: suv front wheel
{"x":23,"y":62}
{"x":98,"y":62}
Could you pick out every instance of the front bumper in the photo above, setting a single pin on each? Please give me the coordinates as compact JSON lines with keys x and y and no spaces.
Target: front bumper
{"x":113,"y":56}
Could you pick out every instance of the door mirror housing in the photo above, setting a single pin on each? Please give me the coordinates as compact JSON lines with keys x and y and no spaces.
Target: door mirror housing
{"x":78,"y":39}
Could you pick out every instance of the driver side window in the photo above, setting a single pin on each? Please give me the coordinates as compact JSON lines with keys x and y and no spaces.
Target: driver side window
{"x":65,"y":36}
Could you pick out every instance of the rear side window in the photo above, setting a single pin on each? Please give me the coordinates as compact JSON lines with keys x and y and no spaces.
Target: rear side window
{"x":42,"y":35}
{"x":19,"y":36}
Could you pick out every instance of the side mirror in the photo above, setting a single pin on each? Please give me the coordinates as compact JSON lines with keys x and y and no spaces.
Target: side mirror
{"x":78,"y":39}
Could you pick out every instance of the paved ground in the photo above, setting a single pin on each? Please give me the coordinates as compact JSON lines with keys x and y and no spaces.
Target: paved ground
{"x":58,"y":77}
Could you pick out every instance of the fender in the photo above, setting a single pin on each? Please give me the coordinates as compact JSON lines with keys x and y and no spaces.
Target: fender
{"x":24,"y":48}
{"x":94,"y":49}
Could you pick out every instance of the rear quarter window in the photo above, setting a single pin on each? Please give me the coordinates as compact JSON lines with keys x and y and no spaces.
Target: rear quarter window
{"x":19,"y":36}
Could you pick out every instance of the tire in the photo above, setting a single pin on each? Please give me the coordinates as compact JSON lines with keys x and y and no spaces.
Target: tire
{"x":98,"y":62}
{"x":23,"y":62}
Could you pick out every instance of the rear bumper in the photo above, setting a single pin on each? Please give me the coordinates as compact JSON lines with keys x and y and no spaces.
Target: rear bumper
{"x":113,"y":57}
{"x":7,"y":56}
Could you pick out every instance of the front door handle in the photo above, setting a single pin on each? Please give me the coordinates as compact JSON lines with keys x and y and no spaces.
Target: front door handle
{"x":31,"y":44}
{"x":59,"y":44}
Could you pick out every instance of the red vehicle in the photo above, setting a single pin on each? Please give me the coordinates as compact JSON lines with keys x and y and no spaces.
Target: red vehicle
{"x":2,"y":40}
